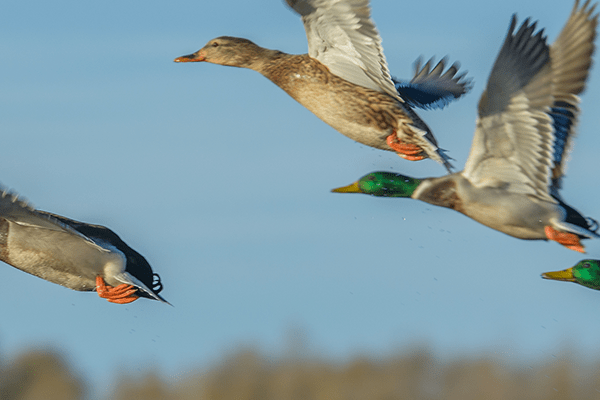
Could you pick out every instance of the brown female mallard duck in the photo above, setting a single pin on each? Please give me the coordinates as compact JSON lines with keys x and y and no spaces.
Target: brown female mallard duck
{"x":344,"y":79}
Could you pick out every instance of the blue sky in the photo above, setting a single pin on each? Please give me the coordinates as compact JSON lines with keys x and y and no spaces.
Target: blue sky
{"x":222,"y":182}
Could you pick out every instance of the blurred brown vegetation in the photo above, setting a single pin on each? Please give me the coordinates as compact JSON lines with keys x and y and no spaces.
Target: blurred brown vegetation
{"x":250,"y":375}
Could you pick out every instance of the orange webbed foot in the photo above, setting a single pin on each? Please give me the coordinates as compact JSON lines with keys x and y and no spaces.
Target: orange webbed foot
{"x":569,"y":240}
{"x":408,"y":151}
{"x":121,"y":294}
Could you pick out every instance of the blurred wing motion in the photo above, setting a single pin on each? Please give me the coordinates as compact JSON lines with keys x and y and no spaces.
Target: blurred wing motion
{"x":529,"y":109}
{"x":431,"y":88}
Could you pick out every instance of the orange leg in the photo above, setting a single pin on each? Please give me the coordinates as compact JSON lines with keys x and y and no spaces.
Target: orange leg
{"x":121,"y":294}
{"x":569,"y":240}
{"x":408,"y":151}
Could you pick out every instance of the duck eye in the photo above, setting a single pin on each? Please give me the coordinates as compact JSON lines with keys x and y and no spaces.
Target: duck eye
{"x":215,"y":44}
{"x":586,"y":265}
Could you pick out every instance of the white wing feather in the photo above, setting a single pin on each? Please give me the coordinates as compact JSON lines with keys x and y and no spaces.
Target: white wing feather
{"x":342,"y":36}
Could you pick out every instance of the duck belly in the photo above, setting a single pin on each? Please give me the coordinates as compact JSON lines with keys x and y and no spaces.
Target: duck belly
{"x":355,"y":117}
{"x":520,"y":216}
{"x":362,"y":114}
{"x":351,"y":122}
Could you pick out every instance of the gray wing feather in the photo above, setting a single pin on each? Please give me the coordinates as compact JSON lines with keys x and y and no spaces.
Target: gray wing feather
{"x":512,"y":145}
{"x":529,"y":110}
{"x":18,"y":211}
{"x":571,"y":55}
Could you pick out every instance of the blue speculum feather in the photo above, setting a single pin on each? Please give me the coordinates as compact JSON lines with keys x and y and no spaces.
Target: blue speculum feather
{"x":562,"y":118}
{"x":423,"y":96}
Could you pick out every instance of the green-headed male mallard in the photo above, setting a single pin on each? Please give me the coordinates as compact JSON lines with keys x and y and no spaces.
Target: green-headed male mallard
{"x":526,"y":124}
{"x":344,"y":79}
{"x":585,"y":272}
{"x":73,"y":254}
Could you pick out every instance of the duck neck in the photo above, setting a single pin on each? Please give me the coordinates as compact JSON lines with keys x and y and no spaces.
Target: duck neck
{"x":263,"y":60}
{"x":442,"y":192}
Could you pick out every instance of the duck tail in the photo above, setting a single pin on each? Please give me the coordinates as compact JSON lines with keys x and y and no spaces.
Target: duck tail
{"x":573,"y":221}
{"x":446,"y":159}
{"x":592,"y":224}
{"x":143,"y":290}
{"x":157,"y":285}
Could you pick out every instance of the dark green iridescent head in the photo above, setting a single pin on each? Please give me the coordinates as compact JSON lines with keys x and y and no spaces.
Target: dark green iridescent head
{"x":586,"y":273}
{"x":383,"y":184}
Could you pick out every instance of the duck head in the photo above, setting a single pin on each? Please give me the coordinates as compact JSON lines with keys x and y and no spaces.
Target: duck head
{"x":226,"y":50}
{"x":382,"y":184}
{"x":585,"y":273}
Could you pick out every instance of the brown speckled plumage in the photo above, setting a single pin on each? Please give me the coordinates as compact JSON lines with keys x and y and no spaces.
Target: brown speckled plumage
{"x":344,"y":78}
{"x":362,"y":114}
{"x":3,"y":239}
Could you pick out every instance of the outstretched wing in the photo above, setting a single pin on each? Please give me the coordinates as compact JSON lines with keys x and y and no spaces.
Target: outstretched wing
{"x":342,"y":36}
{"x":528,"y":112}
{"x":512,"y":145}
{"x":571,"y":55}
